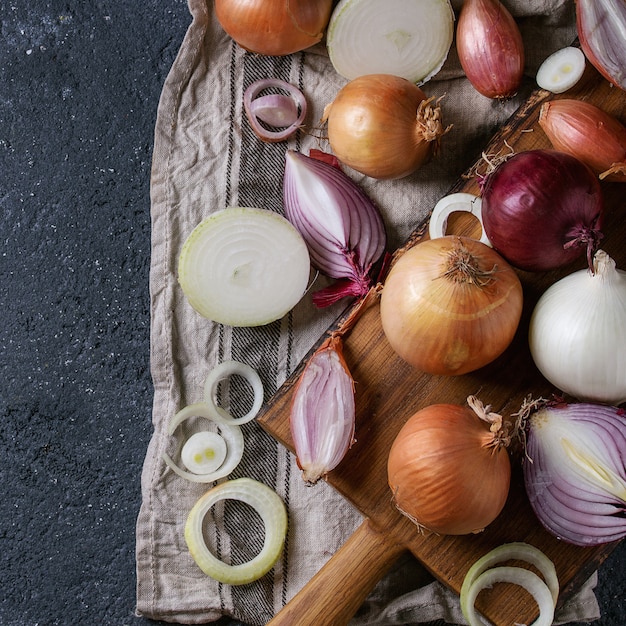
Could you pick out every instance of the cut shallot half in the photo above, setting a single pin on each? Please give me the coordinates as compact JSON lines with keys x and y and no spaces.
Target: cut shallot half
{"x":343,"y":229}
{"x":322,"y":418}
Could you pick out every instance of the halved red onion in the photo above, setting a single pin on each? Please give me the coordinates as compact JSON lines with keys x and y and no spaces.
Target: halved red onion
{"x":343,"y":229}
{"x":575,"y":473}
{"x":602,"y":32}
{"x":542,"y":209}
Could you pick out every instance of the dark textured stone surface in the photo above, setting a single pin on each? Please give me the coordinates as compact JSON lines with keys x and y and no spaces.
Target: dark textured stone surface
{"x":79,"y":87}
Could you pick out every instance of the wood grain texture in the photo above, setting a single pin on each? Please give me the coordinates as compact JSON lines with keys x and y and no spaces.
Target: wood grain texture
{"x":389,"y":391}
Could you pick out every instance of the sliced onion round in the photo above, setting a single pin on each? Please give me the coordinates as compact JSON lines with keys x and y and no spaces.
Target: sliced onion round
{"x":465,"y":202}
{"x":204,"y":452}
{"x":244,"y":266}
{"x":517,"y":576}
{"x":561,"y":70}
{"x":230,"y":433}
{"x":270,"y":508}
{"x":406,"y":38}
{"x":223,"y":371}
{"x":285,"y":111}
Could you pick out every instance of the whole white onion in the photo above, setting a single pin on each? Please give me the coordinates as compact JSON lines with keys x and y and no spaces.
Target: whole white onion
{"x":577,"y":333}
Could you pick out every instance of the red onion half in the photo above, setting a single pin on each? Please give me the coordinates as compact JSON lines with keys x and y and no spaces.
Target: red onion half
{"x":542,"y":209}
{"x":575,"y":472}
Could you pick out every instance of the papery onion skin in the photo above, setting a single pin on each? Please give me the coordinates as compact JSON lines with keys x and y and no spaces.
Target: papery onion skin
{"x":383,"y":126}
{"x":490,"y":48}
{"x":447,"y":471}
{"x":575,"y":472}
{"x":587,"y":132}
{"x":542,"y":209}
{"x":322,"y":416}
{"x":601,"y":28}
{"x":577,"y":333}
{"x":276,"y":27}
{"x":450,"y":305}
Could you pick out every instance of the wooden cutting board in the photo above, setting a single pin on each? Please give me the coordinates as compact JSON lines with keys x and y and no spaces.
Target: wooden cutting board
{"x":388,"y":392}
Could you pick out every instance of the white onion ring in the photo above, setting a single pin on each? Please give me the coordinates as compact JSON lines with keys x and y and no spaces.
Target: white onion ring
{"x":233,"y":438}
{"x":517,"y":576}
{"x":465,"y":202}
{"x":251,"y":93}
{"x":225,"y":370}
{"x":270,"y":508}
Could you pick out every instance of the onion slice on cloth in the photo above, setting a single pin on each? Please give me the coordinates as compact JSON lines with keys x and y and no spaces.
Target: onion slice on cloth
{"x":244,"y":266}
{"x":407,"y":38}
{"x":274,"y":116}
{"x":272,"y":511}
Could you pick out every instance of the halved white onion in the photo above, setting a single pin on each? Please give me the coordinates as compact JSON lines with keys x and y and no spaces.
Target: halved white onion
{"x":407,"y":38}
{"x":244,"y":266}
{"x":561,"y":70}
{"x":465,"y":202}
{"x":270,"y":508}
{"x":225,"y":370}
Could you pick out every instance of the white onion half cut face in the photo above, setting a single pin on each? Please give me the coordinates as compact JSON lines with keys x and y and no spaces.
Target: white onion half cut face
{"x":244,"y":266}
{"x":407,"y":38}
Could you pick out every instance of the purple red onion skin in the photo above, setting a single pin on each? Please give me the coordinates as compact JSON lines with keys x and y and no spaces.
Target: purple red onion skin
{"x":542,"y":209}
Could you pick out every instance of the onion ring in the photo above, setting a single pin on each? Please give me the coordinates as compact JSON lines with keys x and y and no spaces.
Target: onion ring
{"x":270,"y":508}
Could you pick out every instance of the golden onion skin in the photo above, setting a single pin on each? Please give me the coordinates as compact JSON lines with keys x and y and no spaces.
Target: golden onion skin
{"x":446,"y":471}
{"x":450,"y":305}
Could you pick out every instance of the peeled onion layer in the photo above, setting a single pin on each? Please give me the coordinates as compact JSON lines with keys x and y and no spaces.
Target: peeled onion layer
{"x":244,"y":266}
{"x":517,"y":576}
{"x":452,"y":203}
{"x":272,"y":512}
{"x":407,"y":38}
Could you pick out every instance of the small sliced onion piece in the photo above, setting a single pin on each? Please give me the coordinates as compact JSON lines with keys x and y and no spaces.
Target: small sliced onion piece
{"x":204,"y":452}
{"x":405,"y":38}
{"x":465,"y":202}
{"x":222,"y":372}
{"x":517,"y":576}
{"x":515,"y":551}
{"x":284,"y":111}
{"x":233,"y":440}
{"x":244,"y":266}
{"x":270,"y":508}
{"x":561,"y":70}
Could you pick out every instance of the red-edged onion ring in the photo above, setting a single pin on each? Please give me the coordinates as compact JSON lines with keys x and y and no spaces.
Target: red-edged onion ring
{"x":260,"y":112}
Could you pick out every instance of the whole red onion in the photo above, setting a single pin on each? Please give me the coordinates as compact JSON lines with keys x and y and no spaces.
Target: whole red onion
{"x":542,"y":209}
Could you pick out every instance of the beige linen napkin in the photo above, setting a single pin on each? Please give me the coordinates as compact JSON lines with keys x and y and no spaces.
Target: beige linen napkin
{"x":205,"y":159}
